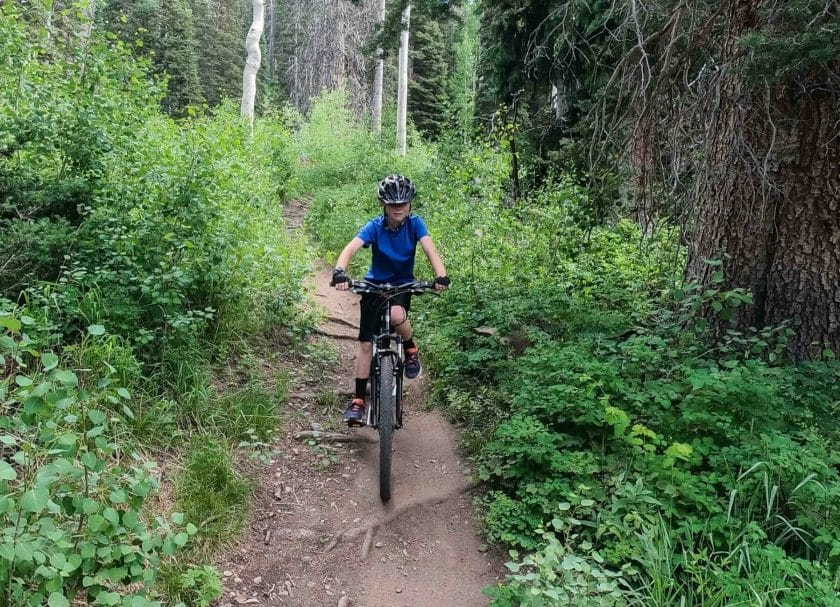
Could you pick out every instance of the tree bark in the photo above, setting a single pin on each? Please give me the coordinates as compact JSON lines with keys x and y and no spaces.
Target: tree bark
{"x":378,"y":76}
{"x":402,"y":82}
{"x":252,"y":63}
{"x":768,"y":200}
{"x":804,"y":273}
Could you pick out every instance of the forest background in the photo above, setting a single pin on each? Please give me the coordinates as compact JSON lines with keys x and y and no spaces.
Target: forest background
{"x":640,"y":210}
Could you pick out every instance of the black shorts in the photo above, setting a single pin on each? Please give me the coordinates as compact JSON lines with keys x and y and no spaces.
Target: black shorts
{"x":370,"y":306}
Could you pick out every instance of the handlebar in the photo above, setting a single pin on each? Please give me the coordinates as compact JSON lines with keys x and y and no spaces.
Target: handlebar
{"x":418,"y":287}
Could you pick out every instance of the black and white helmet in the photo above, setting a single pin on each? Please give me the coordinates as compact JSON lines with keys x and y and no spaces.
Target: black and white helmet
{"x":396,"y":189}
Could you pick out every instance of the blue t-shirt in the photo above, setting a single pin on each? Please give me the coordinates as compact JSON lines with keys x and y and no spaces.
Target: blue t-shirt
{"x":392,"y":258}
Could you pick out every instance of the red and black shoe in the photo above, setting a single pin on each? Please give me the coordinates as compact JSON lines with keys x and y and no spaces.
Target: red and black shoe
{"x":355,"y":413}
{"x":412,"y":364}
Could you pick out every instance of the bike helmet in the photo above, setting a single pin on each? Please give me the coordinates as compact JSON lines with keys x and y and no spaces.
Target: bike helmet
{"x":396,"y":189}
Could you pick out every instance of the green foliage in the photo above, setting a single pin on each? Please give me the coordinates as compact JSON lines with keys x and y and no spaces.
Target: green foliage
{"x":799,"y":39}
{"x":342,"y":164}
{"x":427,"y":89}
{"x":139,"y":248}
{"x":72,"y":493}
{"x":210,"y":492}
{"x":335,"y":149}
{"x":557,"y":576}
{"x":192,"y":585}
{"x":165,"y":32}
{"x":603,"y":416}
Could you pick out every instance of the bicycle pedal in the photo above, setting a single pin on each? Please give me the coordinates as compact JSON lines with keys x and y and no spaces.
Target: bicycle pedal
{"x":355,"y":424}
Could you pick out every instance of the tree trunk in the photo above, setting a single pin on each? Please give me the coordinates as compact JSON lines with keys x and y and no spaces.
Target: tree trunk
{"x":768,"y":200}
{"x":402,"y":82}
{"x":252,"y":63}
{"x":804,"y":273}
{"x":378,"y":76}
{"x":271,"y":41}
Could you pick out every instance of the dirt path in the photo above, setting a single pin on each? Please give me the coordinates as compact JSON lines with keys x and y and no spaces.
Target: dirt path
{"x":317,"y":512}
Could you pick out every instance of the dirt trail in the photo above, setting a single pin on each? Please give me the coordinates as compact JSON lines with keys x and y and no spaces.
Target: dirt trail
{"x":317,"y":511}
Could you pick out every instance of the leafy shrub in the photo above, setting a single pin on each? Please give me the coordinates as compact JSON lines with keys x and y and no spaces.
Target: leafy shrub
{"x":193,"y":585}
{"x":72,"y":499}
{"x":557,"y":576}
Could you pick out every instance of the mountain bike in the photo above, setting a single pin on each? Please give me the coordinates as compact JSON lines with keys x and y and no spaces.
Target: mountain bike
{"x":385,"y":412}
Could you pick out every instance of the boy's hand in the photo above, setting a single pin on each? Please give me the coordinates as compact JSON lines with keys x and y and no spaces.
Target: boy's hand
{"x":442,"y":283}
{"x":339,"y":279}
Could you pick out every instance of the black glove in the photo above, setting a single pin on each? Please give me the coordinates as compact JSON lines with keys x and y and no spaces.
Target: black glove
{"x":442,"y":281}
{"x":338,"y":277}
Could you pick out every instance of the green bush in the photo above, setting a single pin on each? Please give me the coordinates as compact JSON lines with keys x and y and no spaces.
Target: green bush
{"x":72,"y":492}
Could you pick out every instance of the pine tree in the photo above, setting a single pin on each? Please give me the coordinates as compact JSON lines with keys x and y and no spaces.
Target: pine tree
{"x":164,"y":31}
{"x":428,"y":87}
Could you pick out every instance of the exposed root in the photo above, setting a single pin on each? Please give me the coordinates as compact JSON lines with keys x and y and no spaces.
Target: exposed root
{"x":333,"y":437}
{"x":341,"y":321}
{"x":337,"y":335}
{"x":369,"y":528}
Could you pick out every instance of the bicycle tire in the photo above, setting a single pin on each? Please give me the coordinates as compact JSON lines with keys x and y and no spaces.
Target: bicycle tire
{"x":386,"y":424}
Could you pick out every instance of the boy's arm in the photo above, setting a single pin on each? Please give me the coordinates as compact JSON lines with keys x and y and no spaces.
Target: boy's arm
{"x":346,"y":255}
{"x":434,"y":259}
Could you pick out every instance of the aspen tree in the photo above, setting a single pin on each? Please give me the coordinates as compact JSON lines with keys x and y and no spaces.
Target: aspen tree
{"x":252,"y":63}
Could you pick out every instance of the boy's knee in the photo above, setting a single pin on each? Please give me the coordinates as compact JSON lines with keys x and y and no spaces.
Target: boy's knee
{"x":398,"y":316}
{"x":365,"y":347}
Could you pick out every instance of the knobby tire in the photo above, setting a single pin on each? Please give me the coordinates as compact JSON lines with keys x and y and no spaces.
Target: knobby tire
{"x":386,"y":425}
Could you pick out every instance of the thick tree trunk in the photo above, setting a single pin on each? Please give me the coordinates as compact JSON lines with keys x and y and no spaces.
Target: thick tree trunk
{"x":378,"y":77}
{"x":252,"y":63}
{"x":804,"y":275}
{"x":768,"y":201}
{"x":402,"y":83}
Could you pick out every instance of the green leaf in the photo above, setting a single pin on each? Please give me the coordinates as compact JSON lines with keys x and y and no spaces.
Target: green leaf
{"x":89,"y":459}
{"x":34,"y":500}
{"x":7,"y":322}
{"x":27,"y":320}
{"x":7,"y":473}
{"x":178,"y":518}
{"x":124,"y":393}
{"x":96,"y":330}
{"x":23,"y":381}
{"x":67,"y":378}
{"x":49,"y":361}
{"x":107,"y":598}
{"x":96,"y":416}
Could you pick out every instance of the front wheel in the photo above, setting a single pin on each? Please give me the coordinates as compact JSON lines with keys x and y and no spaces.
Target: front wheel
{"x":385,"y":385}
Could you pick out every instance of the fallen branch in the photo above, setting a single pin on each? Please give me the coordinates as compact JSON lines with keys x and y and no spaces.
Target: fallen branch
{"x":333,"y":437}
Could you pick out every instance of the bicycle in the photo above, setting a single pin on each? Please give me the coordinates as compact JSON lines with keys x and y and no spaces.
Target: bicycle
{"x":386,"y":373}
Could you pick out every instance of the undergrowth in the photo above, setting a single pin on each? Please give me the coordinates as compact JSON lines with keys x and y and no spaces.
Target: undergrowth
{"x":628,"y":456}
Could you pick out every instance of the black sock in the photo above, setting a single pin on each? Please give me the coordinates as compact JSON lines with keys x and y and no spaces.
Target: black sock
{"x":409,"y":344}
{"x":361,"y":387}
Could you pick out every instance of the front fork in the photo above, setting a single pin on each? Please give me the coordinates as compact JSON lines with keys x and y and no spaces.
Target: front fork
{"x":382,"y":347}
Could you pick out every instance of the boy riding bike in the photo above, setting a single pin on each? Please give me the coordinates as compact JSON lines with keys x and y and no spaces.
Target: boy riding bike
{"x":393,"y":239}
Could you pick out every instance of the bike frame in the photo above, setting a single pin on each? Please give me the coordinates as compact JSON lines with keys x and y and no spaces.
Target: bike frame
{"x":387,"y":358}
{"x":387,"y":343}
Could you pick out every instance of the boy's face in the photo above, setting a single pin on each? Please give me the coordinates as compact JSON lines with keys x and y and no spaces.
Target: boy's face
{"x":397,"y":212}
